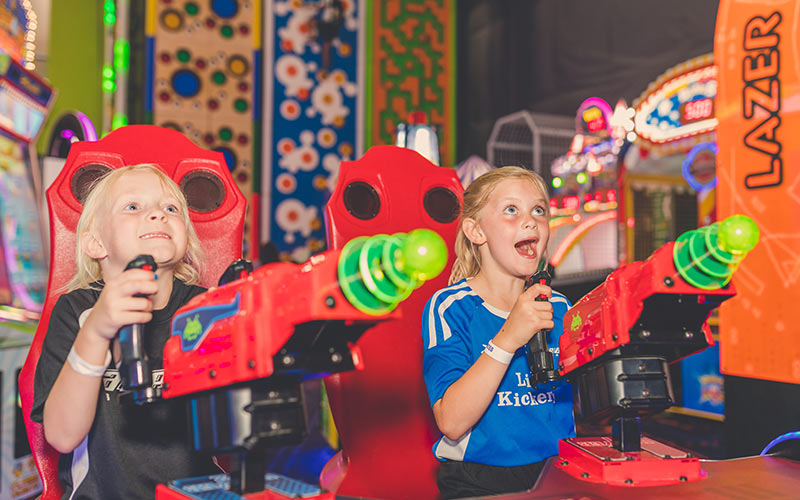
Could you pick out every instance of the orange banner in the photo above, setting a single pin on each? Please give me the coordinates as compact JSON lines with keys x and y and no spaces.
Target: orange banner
{"x":758,"y":108}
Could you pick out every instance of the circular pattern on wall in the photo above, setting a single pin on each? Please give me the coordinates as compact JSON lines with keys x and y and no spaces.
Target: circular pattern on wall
{"x":285,"y":183}
{"x":191,"y":8}
{"x":225,"y":8}
{"x":290,"y":109}
{"x":225,"y":134}
{"x":230,"y":156}
{"x":238,"y":65}
{"x":185,"y":83}
{"x":241,"y":105}
{"x":171,"y":20}
{"x":326,"y":137}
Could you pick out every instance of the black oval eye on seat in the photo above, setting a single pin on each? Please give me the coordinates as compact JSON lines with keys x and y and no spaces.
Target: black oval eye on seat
{"x":361,"y":200}
{"x":203,"y":190}
{"x":83,"y":179}
{"x":441,"y":204}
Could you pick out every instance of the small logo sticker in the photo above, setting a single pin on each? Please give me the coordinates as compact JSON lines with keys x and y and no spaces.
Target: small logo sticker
{"x":194,"y":325}
{"x":576,"y":322}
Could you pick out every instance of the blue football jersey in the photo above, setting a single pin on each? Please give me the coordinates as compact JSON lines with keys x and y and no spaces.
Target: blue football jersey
{"x":522,"y":424}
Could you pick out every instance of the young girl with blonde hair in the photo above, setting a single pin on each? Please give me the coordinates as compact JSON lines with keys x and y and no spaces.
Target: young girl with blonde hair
{"x":497,"y":430}
{"x":113,"y":450}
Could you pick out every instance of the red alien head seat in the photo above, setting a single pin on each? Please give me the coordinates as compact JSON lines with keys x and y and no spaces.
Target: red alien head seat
{"x":382,"y":413}
{"x":217,"y":210}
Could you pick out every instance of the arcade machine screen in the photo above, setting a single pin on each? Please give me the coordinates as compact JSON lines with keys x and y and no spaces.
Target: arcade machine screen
{"x":23,"y":251}
{"x":24,"y":103}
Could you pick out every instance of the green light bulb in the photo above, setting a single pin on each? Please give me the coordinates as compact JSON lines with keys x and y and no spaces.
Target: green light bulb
{"x":119,"y":120}
{"x":424,"y":254}
{"x":738,"y":234}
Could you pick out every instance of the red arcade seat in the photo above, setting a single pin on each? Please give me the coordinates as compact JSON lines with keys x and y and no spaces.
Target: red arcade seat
{"x":217,"y":210}
{"x":382,"y":413}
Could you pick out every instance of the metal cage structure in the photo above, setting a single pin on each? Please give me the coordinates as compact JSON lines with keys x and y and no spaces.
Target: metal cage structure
{"x":530,"y":140}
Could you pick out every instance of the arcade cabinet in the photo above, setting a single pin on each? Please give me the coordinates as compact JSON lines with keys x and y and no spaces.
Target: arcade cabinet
{"x":238,"y":353}
{"x":615,"y":350}
{"x":24,"y":103}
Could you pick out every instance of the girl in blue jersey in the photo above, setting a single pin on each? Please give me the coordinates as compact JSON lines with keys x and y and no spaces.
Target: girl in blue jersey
{"x":497,"y":430}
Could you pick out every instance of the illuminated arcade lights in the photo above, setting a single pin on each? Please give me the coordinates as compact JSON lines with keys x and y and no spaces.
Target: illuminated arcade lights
{"x":109,"y":13}
{"x":115,"y":66}
{"x":29,"y":49}
{"x":778,"y":440}
{"x":108,"y":78}
{"x":687,"y":164}
{"x":577,"y":233}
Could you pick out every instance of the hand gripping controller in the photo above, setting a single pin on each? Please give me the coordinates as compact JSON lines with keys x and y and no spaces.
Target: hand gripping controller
{"x":540,"y":359}
{"x":137,"y":380}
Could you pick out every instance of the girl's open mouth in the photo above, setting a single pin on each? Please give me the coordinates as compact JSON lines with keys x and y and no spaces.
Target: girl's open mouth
{"x":527,"y":248}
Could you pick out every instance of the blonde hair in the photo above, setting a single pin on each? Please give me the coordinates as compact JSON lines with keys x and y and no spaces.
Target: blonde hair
{"x":88,"y":269}
{"x":468,"y":258}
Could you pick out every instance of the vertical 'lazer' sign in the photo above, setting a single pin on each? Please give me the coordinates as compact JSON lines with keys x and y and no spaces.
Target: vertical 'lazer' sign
{"x":762,"y":89}
{"x":758,"y":168}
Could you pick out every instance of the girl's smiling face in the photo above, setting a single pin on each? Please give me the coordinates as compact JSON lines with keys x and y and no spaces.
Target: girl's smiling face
{"x":512,"y":229}
{"x":140,"y":216}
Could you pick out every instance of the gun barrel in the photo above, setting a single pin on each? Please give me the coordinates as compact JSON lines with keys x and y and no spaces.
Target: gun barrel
{"x":708,"y":256}
{"x":378,"y":272}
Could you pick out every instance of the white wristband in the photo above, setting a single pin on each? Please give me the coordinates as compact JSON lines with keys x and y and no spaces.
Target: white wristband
{"x":83,"y":367}
{"x":497,"y":353}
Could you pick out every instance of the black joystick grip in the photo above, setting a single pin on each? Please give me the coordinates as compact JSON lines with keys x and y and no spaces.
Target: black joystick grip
{"x":238,"y":269}
{"x":135,"y":371}
{"x":540,"y":359}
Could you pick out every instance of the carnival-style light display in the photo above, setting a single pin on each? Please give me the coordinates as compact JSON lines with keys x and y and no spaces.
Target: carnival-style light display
{"x":680,"y":103}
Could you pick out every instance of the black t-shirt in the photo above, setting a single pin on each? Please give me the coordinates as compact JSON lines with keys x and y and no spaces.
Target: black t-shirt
{"x":130,"y":448}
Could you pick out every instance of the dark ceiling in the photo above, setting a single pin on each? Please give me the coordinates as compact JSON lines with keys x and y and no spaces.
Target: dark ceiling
{"x":550,"y":55}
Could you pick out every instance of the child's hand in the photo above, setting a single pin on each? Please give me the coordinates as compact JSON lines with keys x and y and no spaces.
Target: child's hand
{"x":527,"y":317}
{"x":118,"y":305}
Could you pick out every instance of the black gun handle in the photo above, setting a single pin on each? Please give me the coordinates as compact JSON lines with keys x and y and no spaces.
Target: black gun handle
{"x":134,"y":370}
{"x":540,"y":359}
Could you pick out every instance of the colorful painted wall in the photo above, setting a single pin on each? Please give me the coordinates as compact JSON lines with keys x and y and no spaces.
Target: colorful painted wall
{"x":332,"y":90}
{"x":204,"y":80}
{"x":411,"y":67}
{"x":312,"y":93}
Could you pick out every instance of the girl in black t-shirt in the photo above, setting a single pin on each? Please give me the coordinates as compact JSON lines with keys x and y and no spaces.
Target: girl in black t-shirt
{"x":111,"y":450}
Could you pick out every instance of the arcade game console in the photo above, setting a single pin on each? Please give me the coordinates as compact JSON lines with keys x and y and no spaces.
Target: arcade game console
{"x":240,"y":351}
{"x":617,"y":344}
